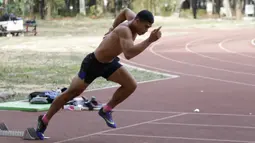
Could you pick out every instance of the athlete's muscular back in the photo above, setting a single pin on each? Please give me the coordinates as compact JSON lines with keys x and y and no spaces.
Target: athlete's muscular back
{"x":111,"y":45}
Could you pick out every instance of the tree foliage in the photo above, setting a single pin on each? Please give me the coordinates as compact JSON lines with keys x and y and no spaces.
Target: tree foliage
{"x":97,"y":8}
{"x":158,"y":7}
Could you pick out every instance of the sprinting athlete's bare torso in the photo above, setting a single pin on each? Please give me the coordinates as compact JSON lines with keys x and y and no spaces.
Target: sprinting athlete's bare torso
{"x":110,"y":47}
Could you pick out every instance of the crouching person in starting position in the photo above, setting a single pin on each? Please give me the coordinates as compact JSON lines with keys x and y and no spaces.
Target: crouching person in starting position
{"x":104,"y":62}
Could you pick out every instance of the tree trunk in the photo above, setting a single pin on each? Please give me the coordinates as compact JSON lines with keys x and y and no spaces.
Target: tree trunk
{"x":178,"y":7}
{"x":217,"y":7}
{"x":105,"y":6}
{"x":31,"y":12}
{"x":194,"y":8}
{"x":154,"y":8}
{"x":5,"y":2}
{"x":115,"y":8}
{"x":83,"y":7}
{"x":238,"y":10}
{"x":227,"y":8}
{"x":41,"y":8}
{"x":149,"y":5}
{"x":49,"y":5}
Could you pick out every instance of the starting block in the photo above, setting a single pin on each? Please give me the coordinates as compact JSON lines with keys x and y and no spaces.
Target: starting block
{"x":28,"y":134}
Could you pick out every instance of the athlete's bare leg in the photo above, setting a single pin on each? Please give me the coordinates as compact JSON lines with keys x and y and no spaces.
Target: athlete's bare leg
{"x":76,"y":88}
{"x":128,"y":86}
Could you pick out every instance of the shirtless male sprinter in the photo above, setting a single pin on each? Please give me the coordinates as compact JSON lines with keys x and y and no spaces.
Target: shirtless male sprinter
{"x":104,"y":62}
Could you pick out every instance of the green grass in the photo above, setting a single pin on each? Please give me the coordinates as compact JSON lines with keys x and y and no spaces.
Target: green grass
{"x":28,"y":71}
{"x":75,"y":26}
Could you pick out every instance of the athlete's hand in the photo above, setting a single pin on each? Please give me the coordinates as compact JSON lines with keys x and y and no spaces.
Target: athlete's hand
{"x":155,"y":35}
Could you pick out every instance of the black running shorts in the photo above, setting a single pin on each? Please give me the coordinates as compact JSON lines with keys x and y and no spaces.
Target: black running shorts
{"x":91,"y":68}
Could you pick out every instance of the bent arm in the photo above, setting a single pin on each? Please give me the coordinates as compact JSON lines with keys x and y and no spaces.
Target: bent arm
{"x":127,"y":44}
{"x":125,"y":14}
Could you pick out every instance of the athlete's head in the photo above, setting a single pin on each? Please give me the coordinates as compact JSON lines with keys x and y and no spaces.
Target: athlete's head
{"x":143,"y":21}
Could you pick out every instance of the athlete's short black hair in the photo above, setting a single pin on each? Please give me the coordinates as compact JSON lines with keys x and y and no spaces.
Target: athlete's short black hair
{"x":145,"y":15}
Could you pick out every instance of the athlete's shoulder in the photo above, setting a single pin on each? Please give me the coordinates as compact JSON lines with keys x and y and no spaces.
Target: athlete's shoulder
{"x":123,"y":31}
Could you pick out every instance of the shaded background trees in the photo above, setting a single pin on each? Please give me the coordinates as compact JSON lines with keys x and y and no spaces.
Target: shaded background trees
{"x":47,"y":9}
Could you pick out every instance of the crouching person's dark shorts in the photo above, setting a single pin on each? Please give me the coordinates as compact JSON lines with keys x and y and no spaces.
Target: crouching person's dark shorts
{"x":91,"y":68}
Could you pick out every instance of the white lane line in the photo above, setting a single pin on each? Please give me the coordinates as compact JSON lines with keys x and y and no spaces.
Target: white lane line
{"x":187,"y":113}
{"x":186,"y":74}
{"x":231,"y":51}
{"x":120,"y":128}
{"x":178,"y":138}
{"x":204,"y":125}
{"x":212,"y":58}
{"x":197,"y":65}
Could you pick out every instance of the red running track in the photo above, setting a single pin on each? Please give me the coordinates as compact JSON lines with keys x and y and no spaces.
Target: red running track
{"x":216,"y":74}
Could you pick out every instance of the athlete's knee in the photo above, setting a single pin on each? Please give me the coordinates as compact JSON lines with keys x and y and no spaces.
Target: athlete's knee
{"x":131,"y":86}
{"x":69,"y":94}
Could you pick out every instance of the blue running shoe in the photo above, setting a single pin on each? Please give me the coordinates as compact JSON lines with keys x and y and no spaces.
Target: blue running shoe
{"x":107,"y":116}
{"x":41,"y":127}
